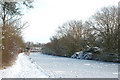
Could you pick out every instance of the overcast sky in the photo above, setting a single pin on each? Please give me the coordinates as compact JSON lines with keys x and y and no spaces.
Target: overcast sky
{"x":47,"y":15}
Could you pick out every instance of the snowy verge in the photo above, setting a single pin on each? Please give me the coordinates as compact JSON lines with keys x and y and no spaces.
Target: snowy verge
{"x":23,"y":68}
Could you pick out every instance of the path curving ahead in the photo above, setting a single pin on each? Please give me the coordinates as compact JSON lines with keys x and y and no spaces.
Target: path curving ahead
{"x":75,"y":68}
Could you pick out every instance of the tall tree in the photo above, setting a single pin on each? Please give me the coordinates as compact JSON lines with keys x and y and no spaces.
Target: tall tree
{"x":105,"y":22}
{"x":119,"y":30}
{"x":11,"y":14}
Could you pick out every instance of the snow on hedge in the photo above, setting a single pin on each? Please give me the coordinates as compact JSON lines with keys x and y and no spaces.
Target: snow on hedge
{"x":23,"y":68}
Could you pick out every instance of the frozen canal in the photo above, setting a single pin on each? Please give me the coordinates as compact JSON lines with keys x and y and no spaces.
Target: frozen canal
{"x":71,"y":68}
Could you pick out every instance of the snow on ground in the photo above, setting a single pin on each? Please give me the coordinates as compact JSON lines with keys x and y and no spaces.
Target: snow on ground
{"x":23,"y":68}
{"x":57,"y":67}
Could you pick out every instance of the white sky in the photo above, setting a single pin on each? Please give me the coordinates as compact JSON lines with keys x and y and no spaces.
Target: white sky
{"x":47,"y":15}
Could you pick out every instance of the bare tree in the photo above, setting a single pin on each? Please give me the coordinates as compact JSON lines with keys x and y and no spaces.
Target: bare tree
{"x":119,"y":30}
{"x":105,"y":22}
{"x":10,"y":15}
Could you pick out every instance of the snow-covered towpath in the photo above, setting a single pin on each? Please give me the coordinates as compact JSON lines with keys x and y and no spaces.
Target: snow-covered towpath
{"x":23,"y":68}
{"x":71,"y":68}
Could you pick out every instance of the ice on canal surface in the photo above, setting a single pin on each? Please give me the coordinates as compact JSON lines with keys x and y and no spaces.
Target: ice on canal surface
{"x":57,"y":67}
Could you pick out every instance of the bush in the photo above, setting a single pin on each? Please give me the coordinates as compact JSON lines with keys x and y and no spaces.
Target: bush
{"x":11,"y":42}
{"x":111,"y":57}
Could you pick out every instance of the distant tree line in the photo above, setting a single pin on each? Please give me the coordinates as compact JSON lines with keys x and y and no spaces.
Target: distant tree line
{"x":101,"y":30}
{"x":32,"y":44}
